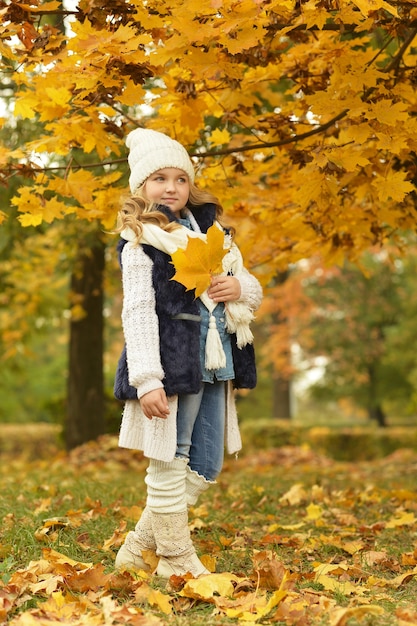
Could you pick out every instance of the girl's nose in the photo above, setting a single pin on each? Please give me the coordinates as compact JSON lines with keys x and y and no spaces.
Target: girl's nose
{"x":170,"y":185}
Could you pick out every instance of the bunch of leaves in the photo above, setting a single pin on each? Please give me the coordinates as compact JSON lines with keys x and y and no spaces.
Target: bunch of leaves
{"x":300,"y":114}
{"x":295,"y":539}
{"x":200,"y":260}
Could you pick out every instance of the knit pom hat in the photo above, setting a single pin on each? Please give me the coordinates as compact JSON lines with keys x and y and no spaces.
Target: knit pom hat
{"x":151,"y":151}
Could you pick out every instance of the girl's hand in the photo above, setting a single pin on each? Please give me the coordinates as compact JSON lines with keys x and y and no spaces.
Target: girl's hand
{"x":155,"y":404}
{"x":224,"y":289}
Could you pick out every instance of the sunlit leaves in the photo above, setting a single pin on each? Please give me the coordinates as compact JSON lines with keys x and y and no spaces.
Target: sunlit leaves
{"x":331,"y":84}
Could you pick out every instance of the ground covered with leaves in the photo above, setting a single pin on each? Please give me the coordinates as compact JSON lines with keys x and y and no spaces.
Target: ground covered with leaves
{"x":292,"y":538}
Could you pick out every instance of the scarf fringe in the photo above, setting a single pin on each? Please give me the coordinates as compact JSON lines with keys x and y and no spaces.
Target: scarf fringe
{"x":215,"y":356}
{"x":238,"y":318}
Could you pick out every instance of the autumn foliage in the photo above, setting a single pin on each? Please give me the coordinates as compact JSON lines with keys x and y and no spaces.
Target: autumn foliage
{"x":301,"y":116}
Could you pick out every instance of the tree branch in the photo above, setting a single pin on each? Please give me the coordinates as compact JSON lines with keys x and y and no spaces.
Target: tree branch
{"x":210,"y":153}
{"x":407,"y":42}
{"x":275,"y":144}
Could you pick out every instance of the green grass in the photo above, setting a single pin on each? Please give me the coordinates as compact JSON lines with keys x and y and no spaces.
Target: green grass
{"x":358,"y":517}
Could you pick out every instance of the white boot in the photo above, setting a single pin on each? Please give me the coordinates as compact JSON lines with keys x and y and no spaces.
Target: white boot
{"x":168,"y":503}
{"x":195,"y":485}
{"x":138,"y":540}
{"x":174,"y":546}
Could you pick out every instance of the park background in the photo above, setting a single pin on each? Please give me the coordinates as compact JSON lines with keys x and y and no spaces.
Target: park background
{"x":301,"y":116}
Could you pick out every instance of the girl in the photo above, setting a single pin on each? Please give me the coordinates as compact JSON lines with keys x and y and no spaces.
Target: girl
{"x":183,"y":355}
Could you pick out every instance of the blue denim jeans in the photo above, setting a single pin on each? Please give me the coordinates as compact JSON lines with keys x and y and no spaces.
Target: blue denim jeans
{"x":200,"y":429}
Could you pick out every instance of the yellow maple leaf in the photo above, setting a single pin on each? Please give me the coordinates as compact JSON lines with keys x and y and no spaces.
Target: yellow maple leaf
{"x":340,"y":616}
{"x":312,"y":16}
{"x":78,"y":184}
{"x":53,"y":5}
{"x":25,"y":106}
{"x":294,"y":495}
{"x":132,"y":94}
{"x":209,"y":561}
{"x":160,"y":600}
{"x":253,"y":606}
{"x":348,"y":159}
{"x":367,"y":6}
{"x":246,"y":36}
{"x":314,"y":511}
{"x":403,"y":519}
{"x":210,"y":586}
{"x":6,"y":52}
{"x":52,"y":556}
{"x":331,"y":584}
{"x":219,"y":137}
{"x":393,"y":186}
{"x":30,"y":219}
{"x":200,"y":260}
{"x":388,"y":113}
{"x":59,"y":95}
{"x":352,"y":547}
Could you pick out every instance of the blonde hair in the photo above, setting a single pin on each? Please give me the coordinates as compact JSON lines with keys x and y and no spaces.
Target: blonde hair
{"x":137,"y":210}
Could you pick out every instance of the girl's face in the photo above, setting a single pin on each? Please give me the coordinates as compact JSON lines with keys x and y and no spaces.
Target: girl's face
{"x":170,"y":187}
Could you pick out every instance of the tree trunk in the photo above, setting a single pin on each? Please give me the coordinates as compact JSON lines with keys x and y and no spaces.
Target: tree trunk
{"x":376,"y":413}
{"x":281,"y":386}
{"x":281,"y":397}
{"x":85,"y":399}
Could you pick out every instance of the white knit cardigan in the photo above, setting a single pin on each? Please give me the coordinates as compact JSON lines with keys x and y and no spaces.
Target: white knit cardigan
{"x":157,"y":438}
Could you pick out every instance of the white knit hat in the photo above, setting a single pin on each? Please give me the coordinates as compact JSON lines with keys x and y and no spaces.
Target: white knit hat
{"x":151,"y":151}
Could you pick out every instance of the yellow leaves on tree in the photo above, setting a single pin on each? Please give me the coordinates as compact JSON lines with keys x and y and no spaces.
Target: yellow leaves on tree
{"x":94,"y":200}
{"x":296,"y":131}
{"x":36,"y":209}
{"x":200,"y":261}
{"x":118,"y":41}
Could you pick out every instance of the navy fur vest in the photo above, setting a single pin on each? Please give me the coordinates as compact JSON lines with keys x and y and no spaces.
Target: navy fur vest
{"x":180,"y":338}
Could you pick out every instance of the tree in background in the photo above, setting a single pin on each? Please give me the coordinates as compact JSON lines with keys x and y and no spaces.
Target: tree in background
{"x":300,"y":116}
{"x":33,"y":294}
{"x":360,"y":320}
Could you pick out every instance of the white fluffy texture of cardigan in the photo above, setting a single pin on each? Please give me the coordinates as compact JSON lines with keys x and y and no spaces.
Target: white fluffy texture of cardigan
{"x":157,"y":437}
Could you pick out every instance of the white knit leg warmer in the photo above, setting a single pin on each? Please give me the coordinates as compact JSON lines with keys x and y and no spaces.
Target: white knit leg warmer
{"x":168,"y":503}
{"x":166,"y":485}
{"x":195,"y":485}
{"x":137,"y":541}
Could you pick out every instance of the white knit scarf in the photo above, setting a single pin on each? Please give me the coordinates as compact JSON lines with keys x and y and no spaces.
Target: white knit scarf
{"x":238,"y":315}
